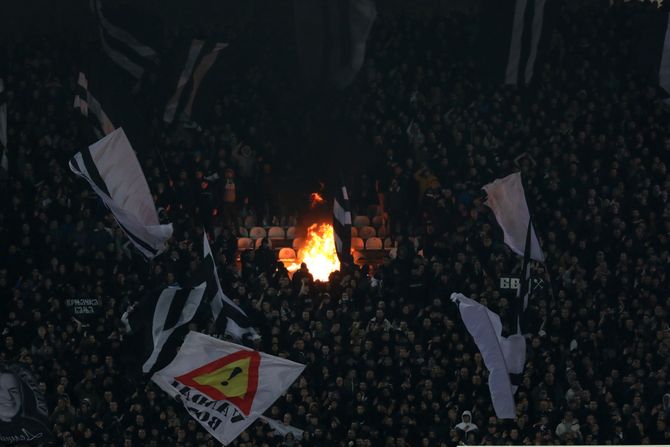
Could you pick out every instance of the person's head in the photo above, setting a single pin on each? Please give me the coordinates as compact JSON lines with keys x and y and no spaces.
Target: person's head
{"x":10,"y":396}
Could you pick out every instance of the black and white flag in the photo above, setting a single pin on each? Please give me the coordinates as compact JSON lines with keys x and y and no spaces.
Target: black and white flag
{"x":229,"y":317}
{"x":342,"y":225}
{"x":111,"y":168}
{"x":122,"y":46}
{"x":515,"y":37}
{"x":91,"y":109}
{"x":24,"y":415}
{"x":199,"y":59}
{"x":507,"y":200}
{"x":504,"y":357}
{"x":332,"y":38}
{"x":161,"y":323}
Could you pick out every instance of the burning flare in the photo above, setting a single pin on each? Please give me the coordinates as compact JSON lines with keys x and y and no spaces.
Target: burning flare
{"x":318,"y":252}
{"x":315,"y":199}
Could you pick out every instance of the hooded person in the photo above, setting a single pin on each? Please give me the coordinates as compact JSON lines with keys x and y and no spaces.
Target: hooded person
{"x":466,"y":426}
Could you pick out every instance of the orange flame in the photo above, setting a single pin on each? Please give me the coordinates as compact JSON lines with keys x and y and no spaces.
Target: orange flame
{"x":318,"y":252}
{"x":315,"y":199}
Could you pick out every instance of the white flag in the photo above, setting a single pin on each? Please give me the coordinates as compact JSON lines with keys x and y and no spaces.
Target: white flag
{"x":225,"y":386}
{"x":502,"y":355}
{"x":508,"y":202}
{"x":112,"y":169}
{"x":282,"y":428}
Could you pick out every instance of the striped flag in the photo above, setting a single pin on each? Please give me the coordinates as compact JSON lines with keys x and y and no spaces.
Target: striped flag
{"x":342,"y":225}
{"x":332,"y":38}
{"x":161,"y":323}
{"x":516,"y":36}
{"x":91,"y":109}
{"x":122,"y":46}
{"x":111,"y":168}
{"x":200,"y":57}
{"x":524,"y":291}
{"x":229,"y":317}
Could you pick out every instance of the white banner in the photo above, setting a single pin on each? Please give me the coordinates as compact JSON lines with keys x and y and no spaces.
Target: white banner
{"x":225,"y":386}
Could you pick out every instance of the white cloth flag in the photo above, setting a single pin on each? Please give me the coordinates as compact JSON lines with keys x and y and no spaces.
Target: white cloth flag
{"x":112,"y":169}
{"x":502,"y":355}
{"x":508,"y":202}
{"x":282,"y":428}
{"x":225,"y":386}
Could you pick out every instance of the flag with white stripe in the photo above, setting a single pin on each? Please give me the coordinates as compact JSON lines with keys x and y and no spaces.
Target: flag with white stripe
{"x":507,"y":200}
{"x":200,"y":57}
{"x":113,"y":171}
{"x":342,"y":225}
{"x":91,"y":109}
{"x":122,"y":46}
{"x":229,"y":317}
{"x":504,"y":357}
{"x":516,"y":36}
{"x":162,"y":322}
{"x":332,"y":38}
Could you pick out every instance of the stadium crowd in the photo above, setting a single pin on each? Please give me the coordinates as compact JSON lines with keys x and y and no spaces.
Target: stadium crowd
{"x":389,"y":362}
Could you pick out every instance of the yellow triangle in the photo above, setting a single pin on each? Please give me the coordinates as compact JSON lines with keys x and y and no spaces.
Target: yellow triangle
{"x":232,"y":379}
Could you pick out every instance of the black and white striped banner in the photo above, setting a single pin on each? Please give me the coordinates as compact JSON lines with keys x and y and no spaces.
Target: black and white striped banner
{"x":527,"y":27}
{"x":162,"y":323}
{"x":122,"y":47}
{"x":91,"y":109}
{"x":111,"y":168}
{"x":342,"y":224}
{"x":664,"y":68}
{"x":199,"y":59}
{"x":229,"y":317}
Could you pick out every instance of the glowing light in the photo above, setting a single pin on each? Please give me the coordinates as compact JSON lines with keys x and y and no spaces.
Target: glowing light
{"x":315,"y":199}
{"x":318,"y":252}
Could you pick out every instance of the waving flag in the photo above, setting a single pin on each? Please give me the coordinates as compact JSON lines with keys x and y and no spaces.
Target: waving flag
{"x":225,"y":386}
{"x":342,"y":225}
{"x":504,"y":357}
{"x":111,"y":168}
{"x":507,"y":200}
{"x":229,"y":317}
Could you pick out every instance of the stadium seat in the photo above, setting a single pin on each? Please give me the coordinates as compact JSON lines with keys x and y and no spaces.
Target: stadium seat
{"x":244,"y":243}
{"x":258,"y":242}
{"x":290,"y":233}
{"x":377,"y":221}
{"x":244,"y":232}
{"x":357,"y":243}
{"x":383,"y":232}
{"x":361,"y":221}
{"x":297,"y":243}
{"x":286,"y":254}
{"x":257,"y":233}
{"x":374,"y":243}
{"x":354,"y":232}
{"x":276,"y":233}
{"x":366,"y":232}
{"x":388,"y":243}
{"x":250,"y":221}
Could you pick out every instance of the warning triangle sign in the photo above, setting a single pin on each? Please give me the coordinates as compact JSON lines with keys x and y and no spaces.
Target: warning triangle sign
{"x":233,"y":378}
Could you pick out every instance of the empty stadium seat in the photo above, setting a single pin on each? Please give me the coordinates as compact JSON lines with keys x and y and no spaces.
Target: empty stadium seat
{"x":377,"y":221}
{"x":244,"y":243}
{"x":257,"y":233}
{"x":374,"y":243}
{"x":357,"y":243}
{"x":297,"y":243}
{"x":244,"y":232}
{"x":361,"y":221}
{"x":354,"y":232}
{"x":367,"y":232}
{"x":250,"y":221}
{"x":383,"y":232}
{"x":286,"y":254}
{"x":388,"y":243}
{"x":276,"y":233}
{"x":290,"y":233}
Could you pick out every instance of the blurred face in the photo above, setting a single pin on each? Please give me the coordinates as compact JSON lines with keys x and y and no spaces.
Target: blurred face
{"x":10,"y":397}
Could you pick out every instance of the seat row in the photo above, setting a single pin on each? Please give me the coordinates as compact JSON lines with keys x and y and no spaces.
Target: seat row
{"x":357,"y":243}
{"x":277,"y":233}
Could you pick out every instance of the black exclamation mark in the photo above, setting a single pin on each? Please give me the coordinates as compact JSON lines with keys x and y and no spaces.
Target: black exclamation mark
{"x":234,"y":372}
